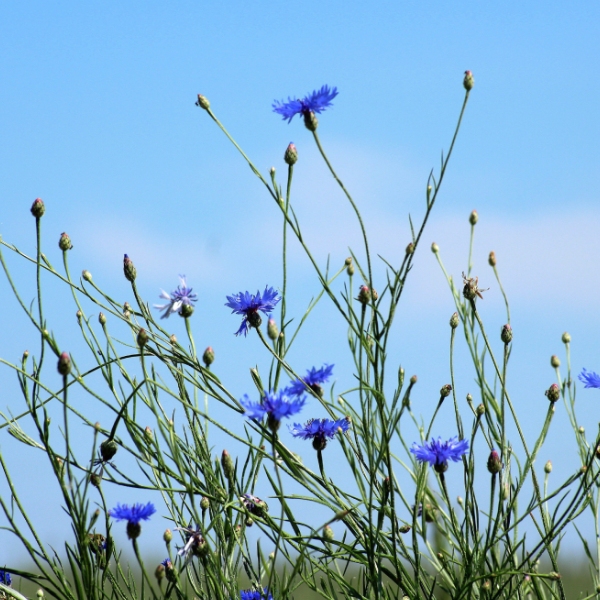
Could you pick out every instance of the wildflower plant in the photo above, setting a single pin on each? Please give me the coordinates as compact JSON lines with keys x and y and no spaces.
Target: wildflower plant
{"x":372,"y":520}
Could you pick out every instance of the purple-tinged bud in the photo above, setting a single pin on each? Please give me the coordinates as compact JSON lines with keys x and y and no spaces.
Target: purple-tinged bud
{"x":506,"y":334}
{"x":454,"y":320}
{"x":473,"y":217}
{"x":445,"y":391}
{"x":64,"y":364}
{"x":272,"y":330}
{"x":328,"y":534}
{"x":37,"y":208}
{"x":364,"y":295}
{"x":492,"y":259}
{"x":310,"y":120}
{"x":228,"y":466}
{"x":494,"y":464}
{"x":142,"y":338}
{"x":208,"y":358}
{"x":86,"y":275}
{"x":108,"y":448}
{"x":435,"y":248}
{"x":410,"y":249}
{"x":554,"y":361}
{"x":548,"y":467}
{"x":566,"y":338}
{"x":167,"y":536}
{"x":64,"y":243}
{"x":291,"y":154}
{"x":468,"y":81}
{"x":129,"y":269}
{"x":186,"y":311}
{"x":203,"y":102}
{"x":102,"y":318}
{"x":553,"y":393}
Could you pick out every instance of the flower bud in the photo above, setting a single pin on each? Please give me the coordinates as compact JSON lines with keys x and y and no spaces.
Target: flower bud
{"x":554,"y":361}
{"x":494,"y":464}
{"x":96,"y":479}
{"x":310,"y":121}
{"x":228,"y":466}
{"x":272,"y":330}
{"x":364,"y":295}
{"x":413,"y":380}
{"x":108,"y":448}
{"x":410,"y":249}
{"x":548,"y":467}
{"x":553,"y":393}
{"x":473,"y":217}
{"x":291,"y":154}
{"x":64,"y":364}
{"x":64,"y":243}
{"x":435,"y":248}
{"x":159,"y":573}
{"x":492,"y":259}
{"x":348,"y":261}
{"x":167,"y":536}
{"x":129,"y":269}
{"x":468,"y":81}
{"x":208,"y":358}
{"x":79,"y":316}
{"x":445,"y":391}
{"x":40,"y":594}
{"x":328,"y":534}
{"x":203,"y":102}
{"x":86,"y":275}
{"x":486,"y":585}
{"x":454,"y":320}
{"x":37,"y":208}
{"x":480,"y":410}
{"x":506,"y":334}
{"x":102,"y":318}
{"x":173,"y":339}
{"x":404,"y":528}
{"x":469,"y":398}
{"x":566,"y":338}
{"x":581,"y":429}
{"x":350,"y":269}
{"x":142,"y":338}
{"x":148,"y":435}
{"x":204,"y":503}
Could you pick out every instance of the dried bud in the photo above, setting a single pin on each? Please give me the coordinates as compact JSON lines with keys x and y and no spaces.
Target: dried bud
{"x":553,"y":393}
{"x":494,"y":464}
{"x":554,"y":361}
{"x":471,"y":287}
{"x":506,"y":334}
{"x":228,"y":466}
{"x":129,"y":269}
{"x":454,"y":320}
{"x":291,"y":154}
{"x":108,"y":448}
{"x":64,"y":243}
{"x":445,"y":391}
{"x":310,"y":121}
{"x":37,"y":208}
{"x":64,"y":364}
{"x":86,"y":275}
{"x":102,"y":318}
{"x":473,"y":217}
{"x":480,"y":410}
{"x":272,"y":330}
{"x":410,"y":249}
{"x":96,"y":479}
{"x":548,"y":467}
{"x":566,"y":338}
{"x":492,"y":259}
{"x":468,"y":81}
{"x":142,"y":338}
{"x":328,"y":534}
{"x":203,"y":102}
{"x":208,"y":358}
{"x":435,"y":248}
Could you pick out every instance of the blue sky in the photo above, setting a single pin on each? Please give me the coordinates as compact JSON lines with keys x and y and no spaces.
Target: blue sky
{"x":98,"y":119}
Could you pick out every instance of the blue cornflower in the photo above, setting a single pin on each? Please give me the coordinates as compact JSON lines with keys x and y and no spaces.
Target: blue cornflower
{"x":316,"y":102}
{"x":5,"y":577}
{"x":591,"y":380}
{"x":248,"y":305}
{"x":195,"y":544}
{"x":313,"y":379}
{"x":319,"y":430}
{"x":438,"y":453}
{"x":276,"y":405}
{"x":179,"y":298}
{"x":133,"y":515}
{"x":255,"y":595}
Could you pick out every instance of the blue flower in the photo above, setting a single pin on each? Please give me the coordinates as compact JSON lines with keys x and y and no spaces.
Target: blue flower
{"x":254,"y":505}
{"x":255,"y":595}
{"x":316,"y":102}
{"x":438,"y":453}
{"x":133,"y":515}
{"x":313,"y":379}
{"x":195,"y":544}
{"x":249,"y":304}
{"x":182,"y":296}
{"x":319,"y":430}
{"x":5,"y":577}
{"x":591,"y":380}
{"x":276,"y":405}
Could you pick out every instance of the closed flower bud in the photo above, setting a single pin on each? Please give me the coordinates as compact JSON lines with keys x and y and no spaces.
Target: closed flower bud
{"x":167,"y":536}
{"x":486,"y":586}
{"x":445,"y":391}
{"x":148,"y":434}
{"x":96,"y":479}
{"x":37,"y":208}
{"x":435,"y":248}
{"x":204,"y":503}
{"x":272,"y":330}
{"x":102,"y":318}
{"x":410,"y":249}
{"x":350,"y":269}
{"x":86,"y":275}
{"x":173,"y":339}
{"x":480,"y":410}
{"x":469,"y":398}
{"x":310,"y":120}
{"x":454,"y":320}
{"x":328,"y":533}
{"x":413,"y":380}
{"x":64,"y":364}
{"x":581,"y":429}
{"x":548,"y":467}
{"x":64,"y":243}
{"x":142,"y":337}
{"x":108,"y":448}
{"x":348,"y":261}
{"x":553,"y":393}
{"x":506,"y":334}
{"x":492,"y":259}
{"x":159,"y":573}
{"x":79,"y":315}
{"x":291,"y":154}
{"x":473,"y":217}
{"x":228,"y":466}
{"x":129,"y":269}
{"x":468,"y":81}
{"x":203,"y":102}
{"x":566,"y":338}
{"x":494,"y":464}
{"x":555,"y":361}
{"x":404,"y":528}
{"x":208,"y":358}
{"x":364,"y":295}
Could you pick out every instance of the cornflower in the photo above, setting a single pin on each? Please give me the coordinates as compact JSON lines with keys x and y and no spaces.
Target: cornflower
{"x":133,"y":515}
{"x":313,"y":379}
{"x":178,"y":299}
{"x":5,"y":577}
{"x":248,"y":305}
{"x":255,"y":595}
{"x":319,"y":430}
{"x":438,"y":453}
{"x":316,"y":102}
{"x":276,"y":405}
{"x":591,"y":380}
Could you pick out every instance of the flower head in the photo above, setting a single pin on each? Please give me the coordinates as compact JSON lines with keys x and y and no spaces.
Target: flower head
{"x":133,"y":515}
{"x":319,"y":430}
{"x":5,"y":577}
{"x":313,"y":379}
{"x":316,"y":102}
{"x":254,"y":505}
{"x":255,"y":595}
{"x":591,"y":380}
{"x":195,"y":544}
{"x":438,"y":453}
{"x":179,"y":298}
{"x":276,"y":405}
{"x":248,"y":305}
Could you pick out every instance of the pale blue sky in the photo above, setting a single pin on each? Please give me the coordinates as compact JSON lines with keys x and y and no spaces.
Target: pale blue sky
{"x":98,"y":119}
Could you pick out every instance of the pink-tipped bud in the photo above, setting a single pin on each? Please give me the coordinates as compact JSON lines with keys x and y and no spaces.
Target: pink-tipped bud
{"x":64,"y":364}
{"x":494,"y":464}
{"x":468,"y":81}
{"x":64,"y":243}
{"x":37,"y":208}
{"x":291,"y":154}
{"x":129,"y":269}
{"x":553,"y":393}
